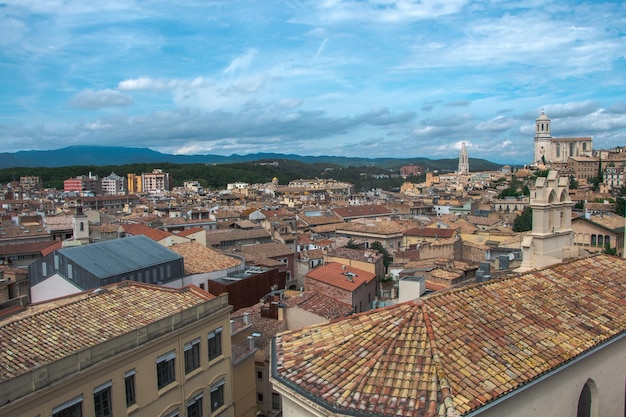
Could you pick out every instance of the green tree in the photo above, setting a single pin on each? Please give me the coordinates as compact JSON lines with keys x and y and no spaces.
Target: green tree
{"x":351,"y":244}
{"x":378,"y":247}
{"x":620,"y":202}
{"x":523,"y":222}
{"x":573,"y":183}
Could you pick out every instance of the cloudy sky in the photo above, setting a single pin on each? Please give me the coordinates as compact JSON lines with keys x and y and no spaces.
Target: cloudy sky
{"x":371,"y":78}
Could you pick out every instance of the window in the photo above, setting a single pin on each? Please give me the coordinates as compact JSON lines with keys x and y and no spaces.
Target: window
{"x":129,"y":384}
{"x":192,"y":355}
{"x":217,"y":395}
{"x":259,"y":397}
{"x":72,"y":408}
{"x":584,"y":402}
{"x":194,"y":406}
{"x":215,"y":343}
{"x":275,"y":401}
{"x":259,"y":375}
{"x":166,"y":373}
{"x":102,"y":400}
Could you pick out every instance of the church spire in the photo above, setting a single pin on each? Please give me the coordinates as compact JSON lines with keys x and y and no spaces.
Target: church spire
{"x":463,"y":160}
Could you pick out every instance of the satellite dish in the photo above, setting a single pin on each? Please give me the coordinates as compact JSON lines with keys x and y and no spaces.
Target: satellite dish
{"x":511,"y":256}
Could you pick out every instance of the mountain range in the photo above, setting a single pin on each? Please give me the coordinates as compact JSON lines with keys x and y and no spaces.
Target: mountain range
{"x":103,"y":156}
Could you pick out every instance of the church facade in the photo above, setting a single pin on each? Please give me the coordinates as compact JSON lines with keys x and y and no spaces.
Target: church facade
{"x":557,"y":150}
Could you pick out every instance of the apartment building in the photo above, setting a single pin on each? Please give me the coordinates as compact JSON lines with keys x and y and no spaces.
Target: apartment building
{"x":84,"y":184}
{"x":125,"y":349}
{"x":156,"y":181}
{"x":113,"y":184}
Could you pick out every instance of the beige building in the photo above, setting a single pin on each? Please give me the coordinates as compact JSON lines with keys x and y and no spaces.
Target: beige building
{"x":124,"y":349}
{"x":551,"y":239}
{"x":557,"y":150}
{"x":597,"y":232}
{"x":547,"y":343}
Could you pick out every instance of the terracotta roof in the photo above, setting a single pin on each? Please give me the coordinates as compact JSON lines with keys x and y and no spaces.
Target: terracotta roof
{"x":191,"y":231}
{"x":141,"y":229}
{"x":267,"y":250}
{"x":214,"y":237}
{"x":40,"y":336}
{"x":362,"y":211}
{"x":431,"y":232}
{"x":609,"y":221}
{"x":199,"y":259}
{"x":23,"y":248}
{"x":356,"y":254}
{"x":380,"y":228}
{"x":456,"y":351}
{"x":320,"y":304}
{"x":341,"y":276}
{"x":267,"y":327}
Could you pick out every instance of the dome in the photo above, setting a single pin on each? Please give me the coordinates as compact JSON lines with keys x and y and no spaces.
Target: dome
{"x":543,"y":116}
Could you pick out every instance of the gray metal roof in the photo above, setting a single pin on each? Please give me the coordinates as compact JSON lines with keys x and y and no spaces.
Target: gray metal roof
{"x":119,"y":256}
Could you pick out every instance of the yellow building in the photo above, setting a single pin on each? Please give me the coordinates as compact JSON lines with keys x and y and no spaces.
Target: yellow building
{"x":134,"y":184}
{"x":125,"y":349}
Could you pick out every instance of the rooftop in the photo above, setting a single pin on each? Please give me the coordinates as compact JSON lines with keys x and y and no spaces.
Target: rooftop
{"x":341,"y":276}
{"x":45,"y":333}
{"x":199,"y":259}
{"x":458,"y":350}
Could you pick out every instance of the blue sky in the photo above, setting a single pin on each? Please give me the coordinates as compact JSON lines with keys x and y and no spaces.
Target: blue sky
{"x":370,"y":78}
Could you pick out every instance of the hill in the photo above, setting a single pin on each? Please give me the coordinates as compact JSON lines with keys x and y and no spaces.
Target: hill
{"x":111,"y":156}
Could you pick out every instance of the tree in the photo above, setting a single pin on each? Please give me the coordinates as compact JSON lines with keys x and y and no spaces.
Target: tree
{"x":351,"y":244}
{"x":573,"y":183}
{"x":620,"y":201}
{"x":524,"y":222}
{"x":378,"y":247}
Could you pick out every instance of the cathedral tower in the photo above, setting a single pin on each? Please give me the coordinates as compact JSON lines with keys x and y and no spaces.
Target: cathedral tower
{"x":543,"y":139}
{"x":463,"y":160}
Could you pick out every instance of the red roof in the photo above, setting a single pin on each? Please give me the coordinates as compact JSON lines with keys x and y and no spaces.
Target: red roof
{"x":362,"y":211}
{"x":141,"y":229}
{"x":341,"y":276}
{"x":431,"y":232}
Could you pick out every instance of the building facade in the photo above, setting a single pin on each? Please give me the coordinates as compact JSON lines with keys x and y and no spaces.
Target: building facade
{"x":113,"y":184}
{"x":557,"y":150}
{"x":169,"y":356}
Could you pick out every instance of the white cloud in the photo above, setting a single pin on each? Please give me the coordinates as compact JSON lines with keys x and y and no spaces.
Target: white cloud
{"x":90,"y":99}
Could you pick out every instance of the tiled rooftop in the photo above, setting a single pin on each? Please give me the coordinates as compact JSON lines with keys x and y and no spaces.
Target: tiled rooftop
{"x":356,"y":254}
{"x":141,"y":229}
{"x":341,"y":276}
{"x":458,"y":350}
{"x":320,"y":304}
{"x":362,"y":211}
{"x":376,"y":227}
{"x":199,"y":259}
{"x":42,"y":335}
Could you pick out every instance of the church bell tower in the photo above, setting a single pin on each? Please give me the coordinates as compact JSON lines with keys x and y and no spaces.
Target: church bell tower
{"x":543,"y":139}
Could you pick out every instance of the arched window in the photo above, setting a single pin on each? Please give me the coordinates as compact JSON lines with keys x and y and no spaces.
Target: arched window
{"x":584,"y":402}
{"x":607,"y":241}
{"x":601,"y":240}
{"x":593,"y":240}
{"x":82,"y":227}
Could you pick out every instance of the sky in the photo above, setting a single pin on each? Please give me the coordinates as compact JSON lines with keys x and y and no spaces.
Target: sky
{"x":366,"y":78}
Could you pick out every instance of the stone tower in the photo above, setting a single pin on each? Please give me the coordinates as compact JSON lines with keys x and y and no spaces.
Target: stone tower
{"x":80,"y":226}
{"x":543,"y":139}
{"x":463,"y":160}
{"x":551,"y":239}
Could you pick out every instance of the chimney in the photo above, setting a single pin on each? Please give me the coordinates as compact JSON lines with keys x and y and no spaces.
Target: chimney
{"x":232,"y":326}
{"x":246,"y":318}
{"x":250,"y":343}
